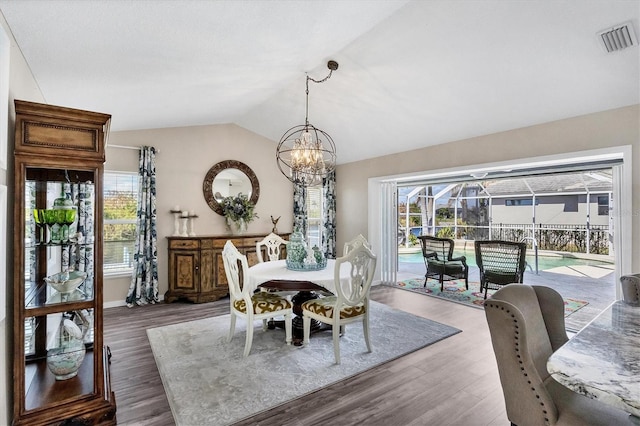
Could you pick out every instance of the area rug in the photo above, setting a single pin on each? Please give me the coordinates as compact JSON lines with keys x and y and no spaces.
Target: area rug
{"x":207,"y":381}
{"x":455,"y":291}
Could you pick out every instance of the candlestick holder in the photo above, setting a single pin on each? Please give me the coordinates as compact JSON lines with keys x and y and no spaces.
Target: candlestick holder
{"x":191,"y":219}
{"x":176,"y":222}
{"x":183,"y":226}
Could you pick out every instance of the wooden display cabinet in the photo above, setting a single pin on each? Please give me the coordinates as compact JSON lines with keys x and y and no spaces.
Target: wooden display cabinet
{"x":59,"y":162}
{"x":196,"y":270}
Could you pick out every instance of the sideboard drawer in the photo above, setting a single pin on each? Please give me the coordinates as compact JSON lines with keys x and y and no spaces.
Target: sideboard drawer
{"x":184,"y":244}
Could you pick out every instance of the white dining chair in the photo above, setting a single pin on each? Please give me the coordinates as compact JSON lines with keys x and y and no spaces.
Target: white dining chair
{"x":351,"y":302}
{"x":350,"y":245}
{"x":247,"y":304}
{"x":272,"y":244}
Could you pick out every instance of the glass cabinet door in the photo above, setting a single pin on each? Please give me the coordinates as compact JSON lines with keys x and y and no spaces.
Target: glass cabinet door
{"x":59,"y":283}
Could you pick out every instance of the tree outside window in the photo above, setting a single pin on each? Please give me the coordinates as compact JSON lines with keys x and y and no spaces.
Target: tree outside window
{"x":120,"y":206}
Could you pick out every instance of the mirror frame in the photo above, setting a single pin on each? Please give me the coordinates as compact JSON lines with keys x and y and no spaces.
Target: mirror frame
{"x":207,"y":185}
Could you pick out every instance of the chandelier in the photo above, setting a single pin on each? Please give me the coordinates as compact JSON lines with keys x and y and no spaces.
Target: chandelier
{"x":306,"y":154}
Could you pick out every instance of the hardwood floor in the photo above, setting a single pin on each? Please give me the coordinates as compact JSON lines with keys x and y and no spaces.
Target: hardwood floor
{"x":453,"y":382}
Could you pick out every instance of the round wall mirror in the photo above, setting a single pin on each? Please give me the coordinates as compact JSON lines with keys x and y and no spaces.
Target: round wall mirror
{"x":229,"y":178}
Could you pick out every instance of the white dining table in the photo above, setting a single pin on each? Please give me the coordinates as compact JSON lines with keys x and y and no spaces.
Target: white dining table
{"x":277,"y":270}
{"x":602,"y":361}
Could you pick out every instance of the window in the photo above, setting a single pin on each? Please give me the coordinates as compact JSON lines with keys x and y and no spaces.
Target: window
{"x":520,"y":202}
{"x":314,"y":216}
{"x":120,"y":206}
{"x":603,"y":205}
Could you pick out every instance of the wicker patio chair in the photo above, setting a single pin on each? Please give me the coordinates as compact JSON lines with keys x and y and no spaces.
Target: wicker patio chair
{"x":500,"y":263}
{"x":440,"y":263}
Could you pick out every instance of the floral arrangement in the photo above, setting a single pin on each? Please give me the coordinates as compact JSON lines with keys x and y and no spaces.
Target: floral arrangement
{"x":238,"y":209}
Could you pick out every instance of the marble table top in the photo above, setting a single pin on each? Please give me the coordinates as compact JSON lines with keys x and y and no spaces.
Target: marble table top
{"x":602,"y":361}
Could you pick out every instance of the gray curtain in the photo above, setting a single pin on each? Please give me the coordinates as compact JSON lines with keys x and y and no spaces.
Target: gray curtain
{"x":144,"y":282}
{"x":329,"y":222}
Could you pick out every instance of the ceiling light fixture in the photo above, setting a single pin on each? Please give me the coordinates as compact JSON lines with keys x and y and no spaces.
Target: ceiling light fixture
{"x":306,"y":154}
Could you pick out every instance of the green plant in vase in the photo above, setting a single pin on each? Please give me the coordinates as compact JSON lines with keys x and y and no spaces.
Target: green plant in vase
{"x":238,"y":210}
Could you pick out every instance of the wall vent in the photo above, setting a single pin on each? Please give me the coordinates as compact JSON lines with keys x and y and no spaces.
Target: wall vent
{"x":618,"y":37}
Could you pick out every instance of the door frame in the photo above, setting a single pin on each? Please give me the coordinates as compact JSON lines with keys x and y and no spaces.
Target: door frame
{"x":379,"y":209}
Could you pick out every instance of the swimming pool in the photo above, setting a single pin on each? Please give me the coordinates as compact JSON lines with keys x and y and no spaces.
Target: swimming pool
{"x":544,"y":262}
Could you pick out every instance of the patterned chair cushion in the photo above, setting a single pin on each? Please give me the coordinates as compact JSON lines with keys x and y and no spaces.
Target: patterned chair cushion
{"x":263,"y":302}
{"x":324,"y":306}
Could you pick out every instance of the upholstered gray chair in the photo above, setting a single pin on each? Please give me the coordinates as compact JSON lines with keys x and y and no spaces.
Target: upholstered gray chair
{"x":631,"y":289}
{"x":527,"y":326}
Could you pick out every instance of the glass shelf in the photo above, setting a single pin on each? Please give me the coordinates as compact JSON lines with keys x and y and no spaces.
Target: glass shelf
{"x":31,"y":245}
{"x":43,"y":295}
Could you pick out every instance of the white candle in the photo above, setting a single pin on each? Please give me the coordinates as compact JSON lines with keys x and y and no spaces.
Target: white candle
{"x":185,"y":213}
{"x":176,"y":208}
{"x":192,"y":213}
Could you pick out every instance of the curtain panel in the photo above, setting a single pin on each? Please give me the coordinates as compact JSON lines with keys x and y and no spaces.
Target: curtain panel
{"x":329,"y":222}
{"x":144,"y":282}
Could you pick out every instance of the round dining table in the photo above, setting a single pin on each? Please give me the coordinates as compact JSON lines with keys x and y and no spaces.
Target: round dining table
{"x":277,"y":270}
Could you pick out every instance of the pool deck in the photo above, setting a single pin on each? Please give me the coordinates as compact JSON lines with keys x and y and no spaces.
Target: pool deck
{"x":593,"y":284}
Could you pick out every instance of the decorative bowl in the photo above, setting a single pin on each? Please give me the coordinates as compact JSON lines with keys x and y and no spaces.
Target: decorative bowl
{"x":301,"y":266}
{"x":66,"y":282}
{"x":65,"y":362}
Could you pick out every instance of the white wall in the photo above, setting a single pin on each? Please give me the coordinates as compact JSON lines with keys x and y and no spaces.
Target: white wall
{"x":186,"y":155}
{"x":614,"y":128}
{"x":21,"y":86}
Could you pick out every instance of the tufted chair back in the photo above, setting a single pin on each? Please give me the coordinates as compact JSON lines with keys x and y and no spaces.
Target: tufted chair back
{"x":631,"y":289}
{"x":522,"y":346}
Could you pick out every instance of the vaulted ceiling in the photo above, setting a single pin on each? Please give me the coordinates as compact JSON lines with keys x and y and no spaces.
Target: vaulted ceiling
{"x":411,"y":73}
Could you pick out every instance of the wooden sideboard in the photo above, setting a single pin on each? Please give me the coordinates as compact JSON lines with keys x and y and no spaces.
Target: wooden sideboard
{"x":196,"y":270}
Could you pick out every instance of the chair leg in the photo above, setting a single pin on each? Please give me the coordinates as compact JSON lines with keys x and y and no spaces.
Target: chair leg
{"x":365,"y":327}
{"x":336,"y":343}
{"x":466,"y":282}
{"x":232,"y":328}
{"x":426,"y":277}
{"x":249,"y":339}
{"x":287,"y":327}
{"x":442,"y":282}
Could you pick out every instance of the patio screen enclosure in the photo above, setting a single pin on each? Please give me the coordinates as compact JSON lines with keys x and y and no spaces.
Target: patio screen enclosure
{"x":568,"y":211}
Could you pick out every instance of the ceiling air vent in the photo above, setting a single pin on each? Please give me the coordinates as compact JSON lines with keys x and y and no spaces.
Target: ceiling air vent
{"x":617,"y":38}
